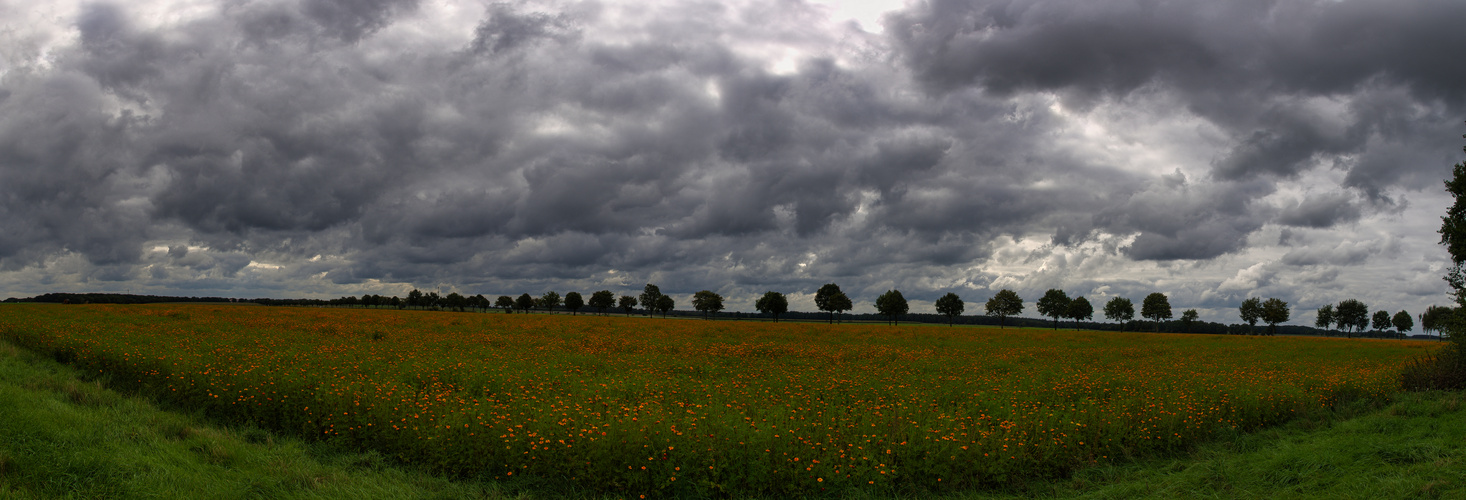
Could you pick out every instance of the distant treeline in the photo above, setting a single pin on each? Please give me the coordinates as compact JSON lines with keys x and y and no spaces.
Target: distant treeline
{"x":469,"y":304}
{"x":115,"y":298}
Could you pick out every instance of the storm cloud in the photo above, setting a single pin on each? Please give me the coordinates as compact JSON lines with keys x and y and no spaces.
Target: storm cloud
{"x":330,"y":147}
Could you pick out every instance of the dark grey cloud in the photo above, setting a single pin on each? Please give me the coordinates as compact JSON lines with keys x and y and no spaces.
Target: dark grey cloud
{"x":278,"y":145}
{"x":1320,"y":211}
{"x":1262,"y":70}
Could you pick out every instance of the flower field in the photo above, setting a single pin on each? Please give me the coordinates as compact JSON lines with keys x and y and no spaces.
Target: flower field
{"x":659,"y":407}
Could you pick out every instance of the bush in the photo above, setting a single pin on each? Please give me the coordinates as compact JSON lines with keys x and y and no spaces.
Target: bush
{"x":1444,"y":370}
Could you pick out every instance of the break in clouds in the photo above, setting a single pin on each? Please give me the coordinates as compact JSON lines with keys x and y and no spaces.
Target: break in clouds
{"x":319,"y":148}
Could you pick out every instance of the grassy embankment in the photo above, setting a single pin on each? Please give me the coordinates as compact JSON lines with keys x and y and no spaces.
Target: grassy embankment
{"x":75,"y":438}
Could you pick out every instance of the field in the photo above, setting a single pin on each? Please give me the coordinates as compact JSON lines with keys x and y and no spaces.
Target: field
{"x":631,"y":406}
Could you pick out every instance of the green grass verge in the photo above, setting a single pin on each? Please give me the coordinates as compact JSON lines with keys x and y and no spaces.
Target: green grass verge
{"x":62,"y":436}
{"x":1414,"y":447}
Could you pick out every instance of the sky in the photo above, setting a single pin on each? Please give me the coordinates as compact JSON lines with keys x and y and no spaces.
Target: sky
{"x":1210,"y":151}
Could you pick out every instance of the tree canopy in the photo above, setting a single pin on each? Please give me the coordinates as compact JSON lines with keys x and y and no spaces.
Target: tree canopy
{"x":1251,"y":312}
{"x":950,"y":305}
{"x":1054,"y":304}
{"x":1005,"y":303}
{"x":707,"y":301}
{"x":627,"y":303}
{"x":1324,"y":318}
{"x":649,"y":296}
{"x":824,"y":299}
{"x":1351,"y":316}
{"x":1120,"y":309}
{"x":773,"y":303}
{"x":1079,"y":310}
{"x":573,"y":302}
{"x":892,"y":304}
{"x":602,"y":300}
{"x":1156,"y":307}
{"x":1274,"y":311}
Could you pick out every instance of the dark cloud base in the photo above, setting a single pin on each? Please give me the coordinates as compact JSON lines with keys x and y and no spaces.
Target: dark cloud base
{"x":296,"y":140}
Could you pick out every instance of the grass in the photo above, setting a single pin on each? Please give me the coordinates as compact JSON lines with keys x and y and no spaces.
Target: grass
{"x":66,"y":437}
{"x":62,"y":436}
{"x":182,"y":355}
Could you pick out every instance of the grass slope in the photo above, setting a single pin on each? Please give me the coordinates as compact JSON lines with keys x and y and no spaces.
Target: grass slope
{"x":62,"y":437}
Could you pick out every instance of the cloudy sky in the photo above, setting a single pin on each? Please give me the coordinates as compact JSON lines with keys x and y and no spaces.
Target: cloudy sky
{"x":1208,"y":150}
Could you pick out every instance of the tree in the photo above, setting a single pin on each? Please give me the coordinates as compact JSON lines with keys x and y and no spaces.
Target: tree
{"x":707,"y":301}
{"x":524,"y":302}
{"x":1434,"y":318}
{"x":664,"y":304}
{"x":1004,"y":304}
{"x":550,"y":300}
{"x":1120,"y":309}
{"x":1156,"y":307}
{"x":1382,"y":320}
{"x":1080,"y":310}
{"x":1274,"y":311}
{"x":505,"y":302}
{"x":1453,"y":236}
{"x":840,"y":303}
{"x":628,"y":304}
{"x":432,"y":299}
{"x":455,"y":301}
{"x":1403,"y":322}
{"x":824,"y":297}
{"x":1351,"y":315}
{"x":573,"y":302}
{"x":1189,"y":317}
{"x":772,"y":303}
{"x":1251,"y":311}
{"x":891,"y":304}
{"x":1324,"y":318}
{"x":950,"y":305}
{"x":414,"y":298}
{"x":603,"y":300}
{"x":1054,"y":304}
{"x":649,"y":296}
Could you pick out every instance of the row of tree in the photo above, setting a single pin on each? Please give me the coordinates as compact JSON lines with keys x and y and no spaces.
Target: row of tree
{"x":1351,"y":316}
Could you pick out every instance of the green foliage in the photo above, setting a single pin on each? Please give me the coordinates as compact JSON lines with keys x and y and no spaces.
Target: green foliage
{"x":650,"y":295}
{"x":1274,"y":311}
{"x":707,"y":301}
{"x":1188,"y":318}
{"x":1324,"y":318}
{"x":573,"y":302}
{"x":1079,"y":310}
{"x":840,"y":303}
{"x":825,"y":299}
{"x":1054,"y":304}
{"x":1351,"y":316}
{"x":1381,"y":320}
{"x":494,"y":394}
{"x":1251,"y":312}
{"x":950,"y":305}
{"x":1005,"y":303}
{"x":1156,"y":307}
{"x":664,"y":304}
{"x":524,"y":302}
{"x":505,"y":302}
{"x":64,"y":435}
{"x":549,"y":301}
{"x":1120,"y":309}
{"x":627,"y":303}
{"x":892,"y":305}
{"x":773,"y":303}
{"x":602,"y":300}
{"x":1403,"y":322}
